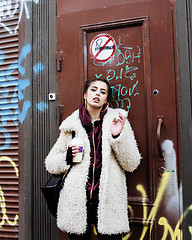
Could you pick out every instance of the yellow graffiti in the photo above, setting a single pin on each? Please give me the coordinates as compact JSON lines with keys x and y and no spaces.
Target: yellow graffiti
{"x":126,"y":236}
{"x":190,"y":230}
{"x":154,"y":210}
{"x":94,"y":230}
{"x":130,"y":210}
{"x":175,"y":234}
{"x":4,"y":158}
{"x":2,"y":198}
{"x":144,"y":195}
{"x":148,"y":222}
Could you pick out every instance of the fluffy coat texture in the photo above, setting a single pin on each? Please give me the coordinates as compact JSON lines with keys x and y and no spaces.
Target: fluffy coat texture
{"x":118,"y":154}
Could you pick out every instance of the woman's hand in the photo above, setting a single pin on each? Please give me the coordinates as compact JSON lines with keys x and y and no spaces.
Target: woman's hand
{"x":117,"y":125}
{"x":75,"y":150}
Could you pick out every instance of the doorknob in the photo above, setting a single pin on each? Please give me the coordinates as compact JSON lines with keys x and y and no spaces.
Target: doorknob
{"x":162,"y":172}
{"x":160,"y":123}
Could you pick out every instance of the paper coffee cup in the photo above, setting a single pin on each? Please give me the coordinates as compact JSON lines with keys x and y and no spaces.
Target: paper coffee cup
{"x":78,"y":157}
{"x":78,"y":143}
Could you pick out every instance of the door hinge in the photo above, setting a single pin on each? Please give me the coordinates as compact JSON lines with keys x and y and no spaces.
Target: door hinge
{"x":59,"y":60}
{"x":60,"y":113}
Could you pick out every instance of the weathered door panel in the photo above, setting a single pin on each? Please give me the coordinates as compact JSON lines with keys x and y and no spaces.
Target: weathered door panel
{"x":142,"y":75}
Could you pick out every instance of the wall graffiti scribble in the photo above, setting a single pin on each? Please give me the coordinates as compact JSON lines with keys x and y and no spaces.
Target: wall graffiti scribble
{"x":5,"y":217}
{"x":24,"y":83}
{"x":13,"y":92}
{"x":9,"y":8}
{"x":175,"y":234}
{"x":126,"y":87}
{"x":157,"y":202}
{"x":11,"y":111}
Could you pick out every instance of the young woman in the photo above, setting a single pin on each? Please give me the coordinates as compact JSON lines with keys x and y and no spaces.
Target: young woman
{"x":95,"y":190}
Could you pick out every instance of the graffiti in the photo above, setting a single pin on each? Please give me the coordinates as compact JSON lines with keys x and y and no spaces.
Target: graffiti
{"x":5,"y":217}
{"x":24,"y":83}
{"x":41,"y":106}
{"x":190,"y":230}
{"x":23,"y":6}
{"x":7,"y":138}
{"x":23,"y":55}
{"x":167,"y":190}
{"x":175,"y":234}
{"x":12,"y":92}
{"x":23,"y":113}
{"x":38,"y":68}
{"x":9,"y":110}
{"x":154,"y":210}
{"x":124,"y":72}
{"x":165,"y":186}
{"x":124,"y":55}
{"x":9,"y":8}
{"x":120,"y":91}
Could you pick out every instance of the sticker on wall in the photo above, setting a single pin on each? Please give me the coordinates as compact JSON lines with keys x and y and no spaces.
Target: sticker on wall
{"x":102,"y":47}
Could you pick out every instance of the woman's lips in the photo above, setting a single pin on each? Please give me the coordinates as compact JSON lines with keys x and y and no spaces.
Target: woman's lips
{"x":96,"y":99}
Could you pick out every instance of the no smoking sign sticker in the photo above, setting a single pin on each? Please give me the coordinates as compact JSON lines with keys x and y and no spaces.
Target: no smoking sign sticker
{"x":102,"y":47}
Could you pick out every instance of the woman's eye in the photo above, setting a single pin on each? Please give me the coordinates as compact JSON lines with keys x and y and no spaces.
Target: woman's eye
{"x":93,"y":89}
{"x":103,"y":92}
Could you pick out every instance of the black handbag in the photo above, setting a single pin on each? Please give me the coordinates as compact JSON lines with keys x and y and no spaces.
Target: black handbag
{"x":51,"y":190}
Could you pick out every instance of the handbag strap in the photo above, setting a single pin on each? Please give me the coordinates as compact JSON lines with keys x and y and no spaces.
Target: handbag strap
{"x":73,"y":134}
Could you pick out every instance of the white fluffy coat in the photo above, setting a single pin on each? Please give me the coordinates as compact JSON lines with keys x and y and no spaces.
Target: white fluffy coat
{"x":118,"y":154}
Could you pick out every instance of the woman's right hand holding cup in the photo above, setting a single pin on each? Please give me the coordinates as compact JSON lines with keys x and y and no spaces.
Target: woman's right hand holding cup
{"x":74,"y":149}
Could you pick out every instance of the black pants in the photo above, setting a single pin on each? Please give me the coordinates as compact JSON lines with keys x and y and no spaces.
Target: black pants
{"x":92,"y":219}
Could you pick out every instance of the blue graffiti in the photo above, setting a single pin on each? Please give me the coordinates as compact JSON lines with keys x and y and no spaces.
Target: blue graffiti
{"x":7,"y":74}
{"x":24,"y":83}
{"x":7,"y":138}
{"x":123,"y":66}
{"x":38,"y":68}
{"x":111,"y":73}
{"x":2,"y":56}
{"x":137,"y":56}
{"x":98,"y":76}
{"x":13,"y":91}
{"x":124,"y":55}
{"x":122,"y":94}
{"x":23,"y":55}
{"x":23,"y":113}
{"x":42,"y":106}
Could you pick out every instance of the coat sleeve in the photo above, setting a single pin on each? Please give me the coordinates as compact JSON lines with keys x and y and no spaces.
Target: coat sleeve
{"x":55,"y":161}
{"x":125,"y":148}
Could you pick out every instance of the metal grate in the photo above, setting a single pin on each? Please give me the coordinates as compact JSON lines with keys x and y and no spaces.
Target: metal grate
{"x":9,"y":182}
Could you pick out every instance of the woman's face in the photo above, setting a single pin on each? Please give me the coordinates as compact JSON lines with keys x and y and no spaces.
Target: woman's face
{"x":96,"y":94}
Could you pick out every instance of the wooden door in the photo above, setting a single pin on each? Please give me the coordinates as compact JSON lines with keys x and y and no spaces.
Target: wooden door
{"x":131,"y":44}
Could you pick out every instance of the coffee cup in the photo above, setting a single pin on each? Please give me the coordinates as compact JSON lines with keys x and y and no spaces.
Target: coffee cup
{"x":79,"y":144}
